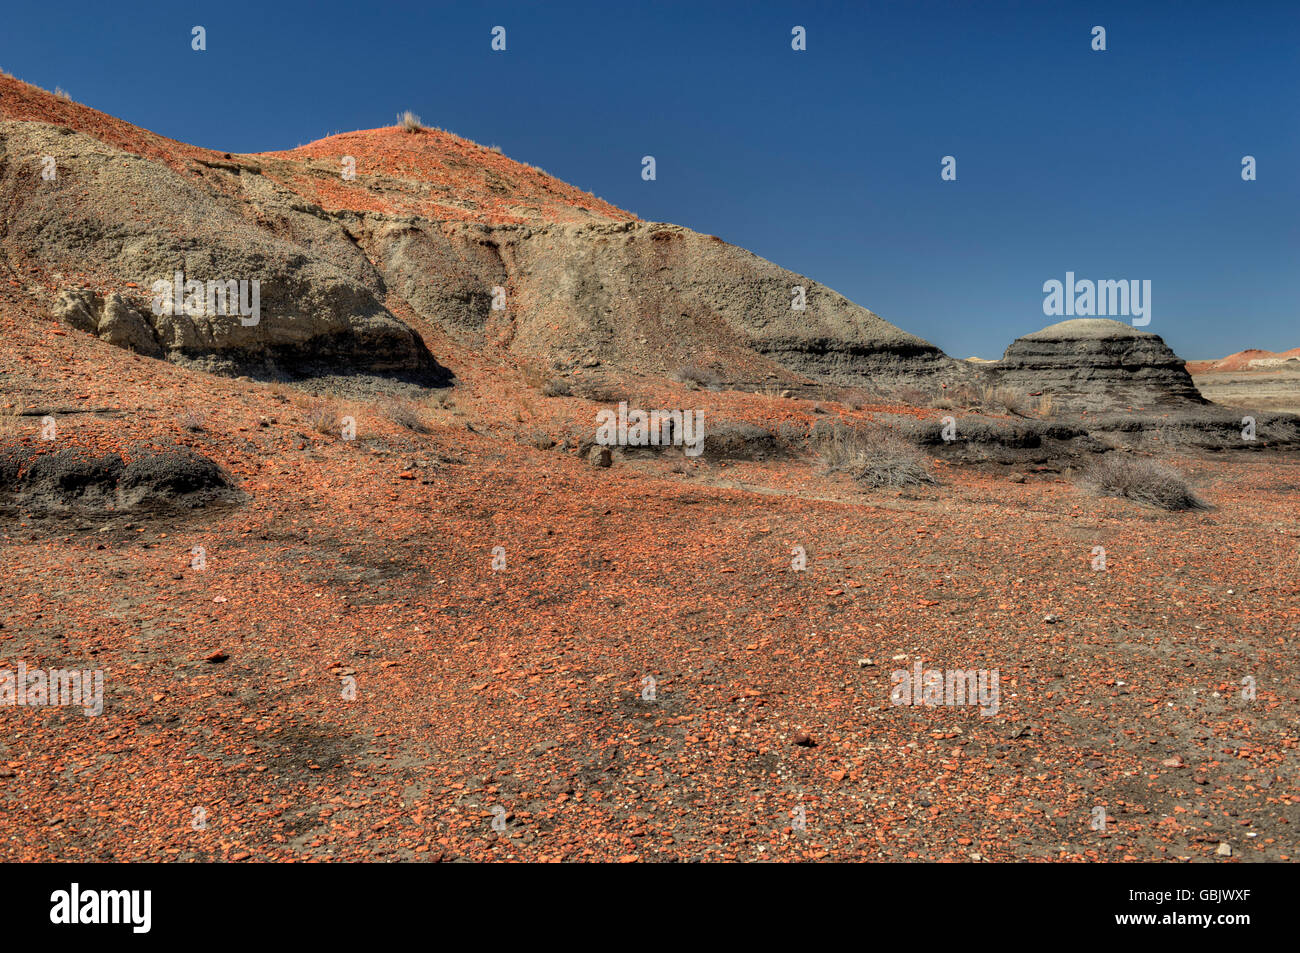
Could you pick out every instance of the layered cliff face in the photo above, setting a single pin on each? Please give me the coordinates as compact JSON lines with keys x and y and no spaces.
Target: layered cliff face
{"x":642,"y":295}
{"x":343,"y":235}
{"x":1096,"y":364}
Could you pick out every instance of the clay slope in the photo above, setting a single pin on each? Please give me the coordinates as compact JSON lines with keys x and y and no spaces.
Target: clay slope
{"x":446,"y":226}
{"x":1095,"y":364}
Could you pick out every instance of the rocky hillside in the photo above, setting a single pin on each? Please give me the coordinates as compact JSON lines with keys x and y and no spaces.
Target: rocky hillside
{"x":364,"y":242}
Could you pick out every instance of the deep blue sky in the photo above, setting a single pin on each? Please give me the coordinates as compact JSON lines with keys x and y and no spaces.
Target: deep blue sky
{"x":1122,"y":164}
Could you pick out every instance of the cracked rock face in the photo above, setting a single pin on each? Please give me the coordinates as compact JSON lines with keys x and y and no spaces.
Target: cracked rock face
{"x":1097,"y":364}
{"x":109,"y":318}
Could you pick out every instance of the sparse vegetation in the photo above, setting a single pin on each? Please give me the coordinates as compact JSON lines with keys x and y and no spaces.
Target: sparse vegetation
{"x":963,"y":395}
{"x":495,"y":148}
{"x":1005,"y":400}
{"x":322,"y":418}
{"x":404,"y":415}
{"x":912,"y":396}
{"x":442,"y":400}
{"x":693,"y":375}
{"x":557,"y":387}
{"x":60,"y":92}
{"x":410,"y":122}
{"x":1142,"y":480}
{"x":190,"y":420}
{"x":873,"y":456}
{"x":11,"y":419}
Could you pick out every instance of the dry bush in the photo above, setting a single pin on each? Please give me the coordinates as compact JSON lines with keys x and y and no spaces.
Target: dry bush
{"x":912,"y":396}
{"x":322,"y":418}
{"x":442,"y":400}
{"x":603,"y":392}
{"x":1006,"y":399}
{"x":409,"y":121}
{"x":873,"y":456}
{"x":11,"y":420}
{"x":404,"y":415}
{"x":60,"y":92}
{"x":1046,"y":406}
{"x":693,"y":375}
{"x":963,"y":395}
{"x":191,"y":420}
{"x":496,"y":149}
{"x":1142,"y":480}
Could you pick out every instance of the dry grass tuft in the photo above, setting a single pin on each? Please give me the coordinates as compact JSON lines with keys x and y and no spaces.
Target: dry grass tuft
{"x":322,"y":418}
{"x":404,"y":415}
{"x":1144,"y":481}
{"x":1005,"y":399}
{"x":693,"y":376}
{"x":912,"y":396}
{"x":409,"y":121}
{"x":11,"y":420}
{"x":873,"y":456}
{"x":191,"y":420}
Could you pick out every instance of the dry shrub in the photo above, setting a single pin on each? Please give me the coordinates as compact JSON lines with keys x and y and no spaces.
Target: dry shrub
{"x":11,"y":420}
{"x":190,"y":420}
{"x":963,"y":395}
{"x":322,"y":418}
{"x":912,"y":396}
{"x":409,"y":121}
{"x":1006,"y":399}
{"x":442,"y":400}
{"x":693,"y":375}
{"x":404,"y":415}
{"x":1144,"y":481}
{"x":873,"y":456}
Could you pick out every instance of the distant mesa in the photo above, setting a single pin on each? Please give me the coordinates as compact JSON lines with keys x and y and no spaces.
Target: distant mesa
{"x":1097,"y":364}
{"x":1251,"y":359}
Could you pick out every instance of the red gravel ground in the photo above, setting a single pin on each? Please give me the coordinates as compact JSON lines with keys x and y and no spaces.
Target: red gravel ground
{"x":521,"y":688}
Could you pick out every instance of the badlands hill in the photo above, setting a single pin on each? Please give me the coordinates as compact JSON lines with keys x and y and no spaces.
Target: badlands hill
{"x":432,"y":232}
{"x":1096,"y":363}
